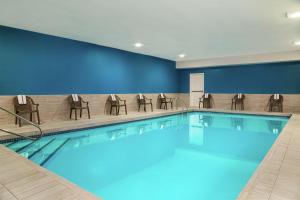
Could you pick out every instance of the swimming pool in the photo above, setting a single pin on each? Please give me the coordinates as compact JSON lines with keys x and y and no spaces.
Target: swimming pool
{"x":191,"y":156}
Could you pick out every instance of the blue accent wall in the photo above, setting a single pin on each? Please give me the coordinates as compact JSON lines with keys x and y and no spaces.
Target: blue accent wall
{"x":33,"y":63}
{"x":257,"y":78}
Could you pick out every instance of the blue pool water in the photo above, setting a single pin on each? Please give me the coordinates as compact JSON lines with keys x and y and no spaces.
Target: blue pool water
{"x":193,"y":156}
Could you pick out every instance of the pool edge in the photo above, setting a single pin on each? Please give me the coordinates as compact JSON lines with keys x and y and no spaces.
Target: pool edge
{"x":251,"y":191}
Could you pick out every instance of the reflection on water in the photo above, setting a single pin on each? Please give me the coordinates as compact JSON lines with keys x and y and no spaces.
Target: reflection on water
{"x":164,"y":124}
{"x":275,"y":127}
{"x":205,"y":120}
{"x":116,"y":133}
{"x":233,"y":135}
{"x":164,"y":153}
{"x":143,"y":128}
{"x":237,"y":123}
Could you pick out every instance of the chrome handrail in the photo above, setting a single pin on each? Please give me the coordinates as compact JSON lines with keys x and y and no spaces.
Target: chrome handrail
{"x":26,"y":120}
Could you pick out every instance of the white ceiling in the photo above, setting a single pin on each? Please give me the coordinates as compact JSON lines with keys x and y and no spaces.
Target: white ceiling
{"x":199,"y":28}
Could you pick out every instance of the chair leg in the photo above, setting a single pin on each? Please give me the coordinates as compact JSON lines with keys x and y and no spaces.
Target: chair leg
{"x":117,"y":110}
{"x":125,"y":109}
{"x":88,"y":110}
{"x":145,"y":108}
{"x":75,"y":114}
{"x":110,"y":109}
{"x":151,"y":107}
{"x":80,"y":112}
{"x":166,"y":106}
{"x":31,"y":116}
{"x":172,"y":105}
{"x":16,"y":120}
{"x":20,"y":122}
{"x":139,"y":107}
{"x":38,"y":117}
{"x":71,"y":111}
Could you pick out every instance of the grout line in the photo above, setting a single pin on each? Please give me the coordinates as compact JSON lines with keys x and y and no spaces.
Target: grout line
{"x":8,"y":190}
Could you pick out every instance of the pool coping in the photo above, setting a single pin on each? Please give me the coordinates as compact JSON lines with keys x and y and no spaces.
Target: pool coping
{"x":263,"y":184}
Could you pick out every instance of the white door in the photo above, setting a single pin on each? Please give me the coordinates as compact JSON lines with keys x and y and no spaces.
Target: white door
{"x":196,"y":88}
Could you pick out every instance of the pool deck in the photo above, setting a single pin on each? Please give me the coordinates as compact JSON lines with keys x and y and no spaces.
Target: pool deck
{"x":277,"y":177}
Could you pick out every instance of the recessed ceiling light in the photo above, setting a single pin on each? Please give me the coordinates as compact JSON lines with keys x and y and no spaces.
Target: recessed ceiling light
{"x":297,"y":43}
{"x":293,"y":15}
{"x":181,"y":55}
{"x":138,"y":45}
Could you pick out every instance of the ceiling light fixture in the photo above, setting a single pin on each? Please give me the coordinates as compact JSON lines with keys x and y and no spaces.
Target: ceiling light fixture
{"x":293,"y":15}
{"x":181,"y":55}
{"x":138,"y":45}
{"x":297,"y":43}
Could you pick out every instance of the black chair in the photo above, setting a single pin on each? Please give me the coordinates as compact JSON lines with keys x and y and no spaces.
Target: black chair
{"x":77,"y":103}
{"x":206,"y":101}
{"x":164,"y":100}
{"x":144,"y":101}
{"x":25,"y":105}
{"x":116,"y":102}
{"x":238,"y":99}
{"x":276,"y":103}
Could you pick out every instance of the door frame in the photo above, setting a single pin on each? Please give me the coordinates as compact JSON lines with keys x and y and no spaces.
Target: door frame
{"x":190,"y":88}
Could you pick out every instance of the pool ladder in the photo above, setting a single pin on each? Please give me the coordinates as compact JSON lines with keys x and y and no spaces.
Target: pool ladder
{"x":26,"y":120}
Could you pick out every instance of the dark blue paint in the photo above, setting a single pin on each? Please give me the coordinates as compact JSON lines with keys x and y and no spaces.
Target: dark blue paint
{"x":258,"y":78}
{"x":33,"y":63}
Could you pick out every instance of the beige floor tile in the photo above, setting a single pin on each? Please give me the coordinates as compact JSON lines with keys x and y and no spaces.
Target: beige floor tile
{"x":57,"y":192}
{"x":5,"y":194}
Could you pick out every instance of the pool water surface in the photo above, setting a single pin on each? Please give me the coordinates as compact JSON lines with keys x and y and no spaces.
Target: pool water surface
{"x":192,"y":156}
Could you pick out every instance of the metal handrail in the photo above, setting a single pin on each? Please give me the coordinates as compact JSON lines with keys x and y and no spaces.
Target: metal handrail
{"x":26,"y":120}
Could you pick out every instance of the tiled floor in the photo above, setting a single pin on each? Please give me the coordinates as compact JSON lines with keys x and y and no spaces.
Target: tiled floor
{"x":277,"y":178}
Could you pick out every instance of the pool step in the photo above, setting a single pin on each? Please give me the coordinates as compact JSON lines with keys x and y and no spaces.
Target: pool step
{"x":18,"y":144}
{"x":7,"y":144}
{"x":40,"y":149}
{"x":48,"y":152}
{"x":25,"y":146}
{"x":35,"y":146}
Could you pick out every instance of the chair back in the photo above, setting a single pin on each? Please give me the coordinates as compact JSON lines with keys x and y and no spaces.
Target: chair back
{"x":206,"y":96}
{"x":141,"y":98}
{"x":206,"y":100}
{"x":239,"y":96}
{"x":25,"y":105}
{"x":75,"y":101}
{"x":114,"y":99}
{"x":162,"y":96}
{"x":276,"y":98}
